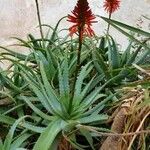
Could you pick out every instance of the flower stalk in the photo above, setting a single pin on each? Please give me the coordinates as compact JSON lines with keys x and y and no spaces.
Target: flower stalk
{"x":82,"y":17}
{"x":39,"y":20}
{"x":111,"y":6}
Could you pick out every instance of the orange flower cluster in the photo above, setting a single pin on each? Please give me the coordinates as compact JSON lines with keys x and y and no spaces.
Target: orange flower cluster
{"x":111,"y":5}
{"x":82,"y":17}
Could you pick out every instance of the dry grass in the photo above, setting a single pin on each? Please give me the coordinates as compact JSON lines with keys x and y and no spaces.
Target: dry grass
{"x":131,"y":116}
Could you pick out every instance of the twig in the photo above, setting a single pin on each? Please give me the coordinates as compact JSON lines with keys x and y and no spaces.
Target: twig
{"x":113,"y":134}
{"x":138,"y":130}
{"x":141,"y":69}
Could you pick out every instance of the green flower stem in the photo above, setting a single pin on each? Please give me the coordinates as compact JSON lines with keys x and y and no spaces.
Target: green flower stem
{"x":109,"y":24}
{"x":39,"y":20}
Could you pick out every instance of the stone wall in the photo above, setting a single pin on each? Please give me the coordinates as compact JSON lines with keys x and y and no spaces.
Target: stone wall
{"x":18,"y":17}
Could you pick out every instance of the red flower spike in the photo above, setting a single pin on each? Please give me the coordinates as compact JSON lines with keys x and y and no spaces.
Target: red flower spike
{"x":82,"y":18}
{"x":111,"y":5}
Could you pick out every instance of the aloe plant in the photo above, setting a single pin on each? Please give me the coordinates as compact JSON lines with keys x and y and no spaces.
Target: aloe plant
{"x":42,"y":103}
{"x":59,"y":115}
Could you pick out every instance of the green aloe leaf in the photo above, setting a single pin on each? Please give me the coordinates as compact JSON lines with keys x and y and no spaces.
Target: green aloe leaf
{"x":35,"y":109}
{"x":9,"y":137}
{"x":100,"y":64}
{"x":47,"y":138}
{"x":93,"y":118}
{"x":64,"y":79}
{"x":34,"y":41}
{"x":127,"y":34}
{"x":78,"y":86}
{"x":88,"y":137}
{"x":113,"y":54}
{"x":54,"y":34}
{"x":126,"y":54}
{"x":19,"y":141}
{"x":15,"y":54}
{"x":131,"y":28}
{"x":10,"y":121}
